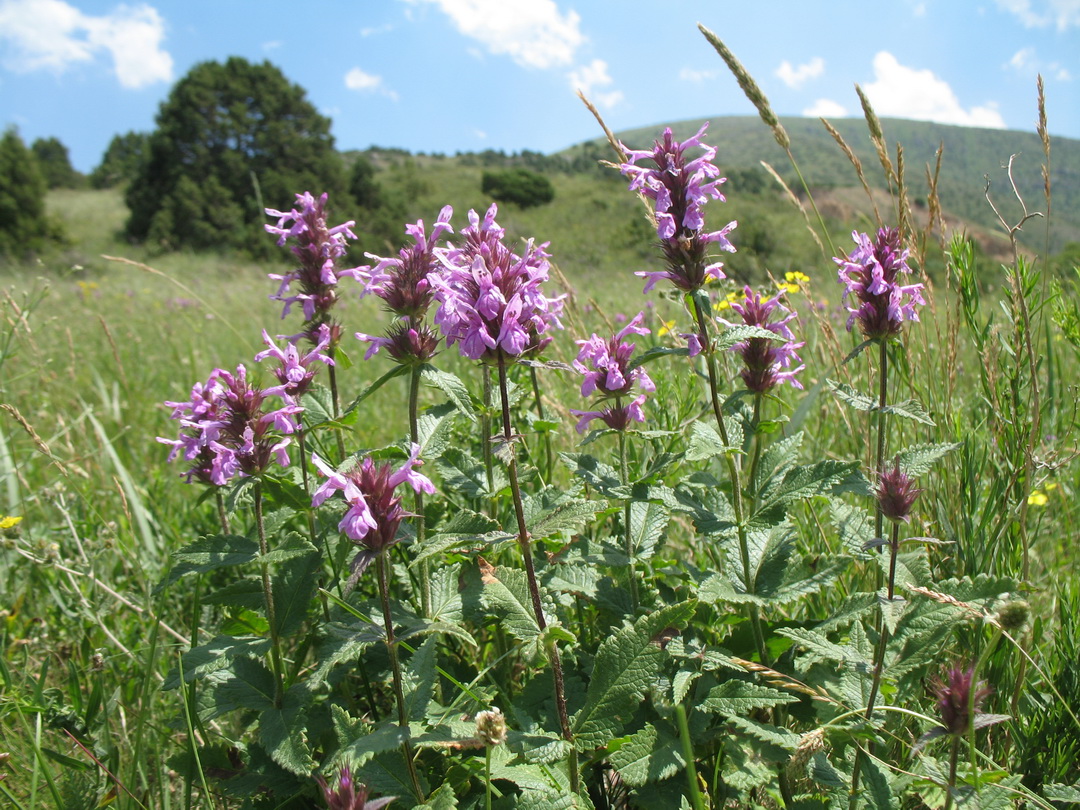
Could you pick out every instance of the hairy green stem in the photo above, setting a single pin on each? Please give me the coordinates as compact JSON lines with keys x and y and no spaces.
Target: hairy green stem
{"x":534,"y":586}
{"x":268,"y":597}
{"x":395,"y":668}
{"x":688,"y":754}
{"x":418,"y":497}
{"x":624,"y":479}
{"x":223,"y":517}
{"x":954,"y":755}
{"x":335,"y":399}
{"x":485,"y":434}
{"x":736,"y":479}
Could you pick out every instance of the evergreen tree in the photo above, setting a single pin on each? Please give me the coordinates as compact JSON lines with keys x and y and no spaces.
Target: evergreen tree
{"x":231,"y":139}
{"x":25,"y":228}
{"x":55,"y":164}
{"x":121,"y":160}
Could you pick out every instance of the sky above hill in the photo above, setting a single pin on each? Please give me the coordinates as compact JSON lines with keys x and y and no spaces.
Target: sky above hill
{"x":467,"y":75}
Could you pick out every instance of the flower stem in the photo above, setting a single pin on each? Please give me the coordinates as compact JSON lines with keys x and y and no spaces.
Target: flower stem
{"x":736,"y":480}
{"x":268,"y":597}
{"x":485,"y":432}
{"x":395,"y":667}
{"x":222,"y":516}
{"x":418,"y":497}
{"x":954,"y":755}
{"x":335,"y":399}
{"x":624,"y":479}
{"x":688,"y":754}
{"x":487,"y":777}
{"x":534,"y":585}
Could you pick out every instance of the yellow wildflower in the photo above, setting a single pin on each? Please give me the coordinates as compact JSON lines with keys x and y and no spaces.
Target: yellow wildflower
{"x":9,"y":522}
{"x":1037,"y":498}
{"x":726,"y":301}
{"x":665,"y":328}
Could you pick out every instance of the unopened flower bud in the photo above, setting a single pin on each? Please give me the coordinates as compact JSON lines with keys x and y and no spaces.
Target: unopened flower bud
{"x":1013,"y":615}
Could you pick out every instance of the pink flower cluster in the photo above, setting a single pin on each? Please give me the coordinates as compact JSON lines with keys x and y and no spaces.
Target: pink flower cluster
{"x":606,"y":367}
{"x":226,"y":430}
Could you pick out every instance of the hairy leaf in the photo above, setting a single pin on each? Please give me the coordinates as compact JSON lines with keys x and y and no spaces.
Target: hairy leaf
{"x":625,"y":668}
{"x":211,"y":553}
{"x":742,"y":697}
{"x":648,"y":755}
{"x":552,"y":511}
{"x":452,"y":386}
{"x":281,"y":732}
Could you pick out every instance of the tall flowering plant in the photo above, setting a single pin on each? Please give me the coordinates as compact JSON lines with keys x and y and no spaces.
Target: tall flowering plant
{"x":874,"y":293}
{"x":766,"y":362}
{"x":606,"y":371}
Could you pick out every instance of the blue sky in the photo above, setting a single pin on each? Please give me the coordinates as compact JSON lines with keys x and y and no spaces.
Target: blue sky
{"x":463,"y":75}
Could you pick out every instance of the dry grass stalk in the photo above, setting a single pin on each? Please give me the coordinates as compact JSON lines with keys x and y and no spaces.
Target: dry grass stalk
{"x":877,"y":136}
{"x":750,"y":88}
{"x":795,"y":201}
{"x":933,"y":201}
{"x":854,"y":159}
{"x":39,"y":442}
{"x":782,"y":681}
{"x":1044,"y":136}
{"x":611,"y":139}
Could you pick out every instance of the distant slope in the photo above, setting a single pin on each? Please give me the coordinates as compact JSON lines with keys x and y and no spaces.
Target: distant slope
{"x":970,"y":154}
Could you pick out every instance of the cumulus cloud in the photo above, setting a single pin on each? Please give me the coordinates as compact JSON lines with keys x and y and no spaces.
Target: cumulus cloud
{"x":796,"y":77}
{"x":1062,"y":14}
{"x":53,"y":35}
{"x":363,"y":82}
{"x":697,"y":76}
{"x":592,"y":79}
{"x":826,"y":108}
{"x":534,"y":33}
{"x":903,"y":92}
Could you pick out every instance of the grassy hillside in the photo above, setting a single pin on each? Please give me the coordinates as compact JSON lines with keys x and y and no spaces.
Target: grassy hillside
{"x":970,"y":155}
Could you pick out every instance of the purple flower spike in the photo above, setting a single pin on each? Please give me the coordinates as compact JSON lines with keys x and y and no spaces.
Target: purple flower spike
{"x":318,"y":248}
{"x":872,"y":275}
{"x":374,"y":510}
{"x":955,"y":699}
{"x":896,"y":493}
{"x":349,"y":795}
{"x":226,"y":429}
{"x":402,"y":281}
{"x":491,"y":300}
{"x":295,"y":372}
{"x":605,"y":365}
{"x":768,"y":363}
{"x":679,"y":189}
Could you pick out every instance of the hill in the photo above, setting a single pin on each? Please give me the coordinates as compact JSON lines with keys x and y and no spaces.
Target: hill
{"x":969,"y":156}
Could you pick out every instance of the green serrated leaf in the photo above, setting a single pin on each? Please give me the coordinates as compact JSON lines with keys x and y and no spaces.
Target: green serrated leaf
{"x":648,"y":521}
{"x":647,"y":756}
{"x":625,"y":667}
{"x":600,"y":476}
{"x":211,"y":553}
{"x":920,"y":459}
{"x":442,"y":799}
{"x":215,"y":655}
{"x":910,"y":409}
{"x":462,"y":473}
{"x":387,"y":736}
{"x":742,"y":332}
{"x":282,"y":733}
{"x":1066,"y":794}
{"x":293,"y":546}
{"x":879,"y":792}
{"x":246,"y":684}
{"x":506,"y":593}
{"x":452,"y":386}
{"x":848,"y":395}
{"x":434,"y":430}
{"x":467,"y":530}
{"x":294,"y":587}
{"x":742,"y":697}
{"x":776,"y":736}
{"x":821,"y":647}
{"x":552,"y":511}
{"x":418,"y":680}
{"x":705,"y":442}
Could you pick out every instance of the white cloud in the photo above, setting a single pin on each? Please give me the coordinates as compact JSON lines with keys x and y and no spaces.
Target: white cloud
{"x":1062,"y":14}
{"x":1026,"y":63}
{"x":903,"y":92}
{"x":591,"y":79}
{"x":919,"y":10}
{"x":52,"y":35}
{"x":826,"y":108}
{"x":534,"y":33}
{"x":795,"y":77}
{"x":697,"y":76}
{"x":363,"y":82}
